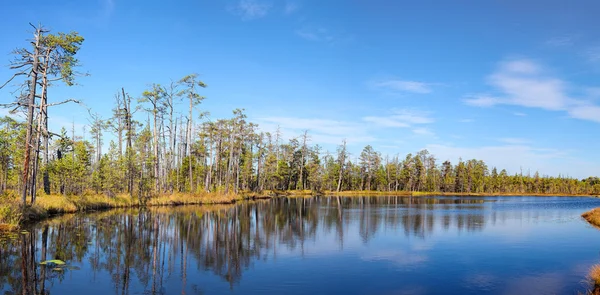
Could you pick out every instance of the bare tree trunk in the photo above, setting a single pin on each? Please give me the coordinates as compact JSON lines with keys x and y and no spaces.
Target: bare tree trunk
{"x":342,"y":162}
{"x":30,"y":109}
{"x":129,"y":135}
{"x":189,"y":146}
{"x":156,"y":159}
{"x":229,"y":163}
{"x":304,"y":139}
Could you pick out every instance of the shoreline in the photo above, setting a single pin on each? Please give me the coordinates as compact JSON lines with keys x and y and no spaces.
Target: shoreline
{"x":447,"y":194}
{"x":55,"y":205}
{"x":593,"y":218}
{"x":12,"y":216}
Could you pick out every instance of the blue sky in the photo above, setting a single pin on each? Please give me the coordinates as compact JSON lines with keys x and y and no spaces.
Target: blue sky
{"x":514,"y":83}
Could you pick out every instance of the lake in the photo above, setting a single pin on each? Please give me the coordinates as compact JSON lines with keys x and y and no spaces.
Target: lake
{"x":319,"y":245}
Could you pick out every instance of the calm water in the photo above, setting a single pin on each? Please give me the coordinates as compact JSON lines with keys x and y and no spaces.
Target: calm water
{"x":379,"y":245}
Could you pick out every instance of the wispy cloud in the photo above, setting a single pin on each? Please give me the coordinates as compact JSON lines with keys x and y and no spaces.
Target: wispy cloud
{"x":513,"y":157}
{"x":290,"y":7}
{"x":109,"y":5}
{"x":321,"y":130}
{"x":324,"y":35}
{"x":560,"y":41}
{"x":401,"y":118}
{"x":398,"y":85}
{"x":466,"y":120}
{"x":593,"y":54}
{"x":251,"y":9}
{"x":315,"y":34}
{"x":423,"y":131}
{"x":586,"y":112}
{"x":514,"y":140}
{"x":519,"y":114}
{"x":524,"y":83}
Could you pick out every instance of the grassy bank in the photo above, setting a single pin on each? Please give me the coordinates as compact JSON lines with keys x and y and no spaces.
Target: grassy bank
{"x":12,"y":215}
{"x":594,"y":277}
{"x":425,"y":194}
{"x":593,"y":217}
{"x":416,"y":194}
{"x":366,"y":193}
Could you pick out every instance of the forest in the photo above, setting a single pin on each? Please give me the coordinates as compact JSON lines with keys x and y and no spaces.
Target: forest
{"x":157,"y":147}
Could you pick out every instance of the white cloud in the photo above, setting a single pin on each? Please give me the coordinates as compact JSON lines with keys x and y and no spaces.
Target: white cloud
{"x":423,"y":131}
{"x":593,"y":54}
{"x":586,"y":112}
{"x":290,"y":7}
{"x":401,"y":118}
{"x":466,"y":120}
{"x":519,"y":114}
{"x":321,"y":131}
{"x":560,"y":41}
{"x":404,"y":86}
{"x":324,"y":35}
{"x":514,"y":140}
{"x":481,"y":101}
{"x":385,"y":121}
{"x":523,"y":83}
{"x":110,"y":5}
{"x":523,"y":66}
{"x":517,"y":156}
{"x":251,"y":9}
{"x":315,"y":34}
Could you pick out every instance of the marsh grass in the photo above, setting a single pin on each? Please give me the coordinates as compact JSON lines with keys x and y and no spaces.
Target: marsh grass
{"x":594,"y":277}
{"x":194,"y":199}
{"x":366,"y":193}
{"x":12,"y":215}
{"x":593,"y":217}
{"x":417,"y":194}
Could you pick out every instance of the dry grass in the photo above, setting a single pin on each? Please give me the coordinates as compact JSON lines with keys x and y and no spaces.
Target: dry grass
{"x":592,"y":216}
{"x":366,"y":193}
{"x":11,"y":214}
{"x":594,"y":274}
{"x":194,"y":199}
{"x":416,"y":194}
{"x":69,"y":204}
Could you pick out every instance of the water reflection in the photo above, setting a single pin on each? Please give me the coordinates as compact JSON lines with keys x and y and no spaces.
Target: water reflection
{"x":153,"y":251}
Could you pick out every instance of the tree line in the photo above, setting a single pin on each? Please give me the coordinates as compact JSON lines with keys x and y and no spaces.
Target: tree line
{"x":159,"y":150}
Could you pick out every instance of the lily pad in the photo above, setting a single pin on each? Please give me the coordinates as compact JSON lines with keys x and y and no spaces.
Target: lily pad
{"x":53,"y":261}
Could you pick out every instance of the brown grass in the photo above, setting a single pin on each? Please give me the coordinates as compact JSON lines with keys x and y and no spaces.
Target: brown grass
{"x":593,"y":217}
{"x":366,"y":193}
{"x":194,"y":199}
{"x":594,"y":274}
{"x":499,"y":194}
{"x":11,"y":214}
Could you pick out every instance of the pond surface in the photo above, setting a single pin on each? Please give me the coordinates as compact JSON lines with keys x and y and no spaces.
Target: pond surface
{"x":322,"y":245}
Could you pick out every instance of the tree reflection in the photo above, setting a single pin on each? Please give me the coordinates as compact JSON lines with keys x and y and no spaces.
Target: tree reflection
{"x":143,"y":248}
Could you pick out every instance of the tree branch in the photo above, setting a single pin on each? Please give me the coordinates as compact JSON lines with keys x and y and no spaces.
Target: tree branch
{"x":14,"y":76}
{"x":63,"y":102}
